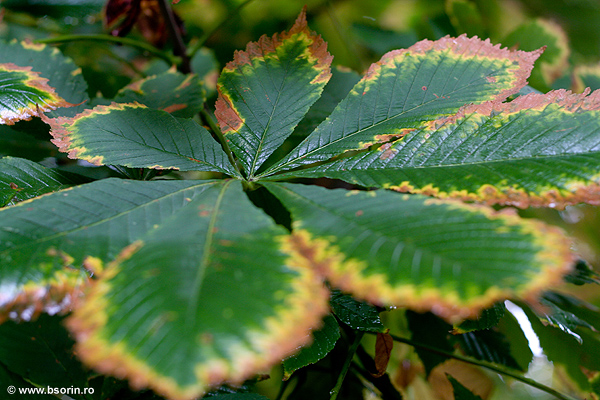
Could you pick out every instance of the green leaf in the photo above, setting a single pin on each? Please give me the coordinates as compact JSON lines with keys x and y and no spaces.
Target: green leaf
{"x":356,"y":314}
{"x":408,"y":88}
{"x":519,"y":345}
{"x":267,"y":89}
{"x":488,"y":345}
{"x":553,"y":63}
{"x":429,"y":330}
{"x":341,"y":82}
{"x":49,"y":244}
{"x":569,"y":312}
{"x":180,"y":95}
{"x":421,"y":253}
{"x":21,"y":179}
{"x":9,"y":378}
{"x":486,"y":320}
{"x":16,"y":143}
{"x":172,"y":311}
{"x":41,"y":352}
{"x":563,"y":348}
{"x":466,"y":18}
{"x":62,"y":74}
{"x":324,"y":341}
{"x":538,"y":150}
{"x":24,"y":94}
{"x":136,"y":136}
{"x":460,"y":391}
{"x":586,"y":76}
{"x":205,"y":65}
{"x":582,"y":274}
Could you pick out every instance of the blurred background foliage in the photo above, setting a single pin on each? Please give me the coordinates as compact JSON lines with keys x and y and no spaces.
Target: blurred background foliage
{"x":359,"y":32}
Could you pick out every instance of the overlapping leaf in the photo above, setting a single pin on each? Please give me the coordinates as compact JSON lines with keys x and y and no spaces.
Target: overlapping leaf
{"x":172,"y":311}
{"x":540,"y":150}
{"x":49,"y":244}
{"x":62,"y":74}
{"x":425,"y":254}
{"x":407,"y":88}
{"x":266,"y":90}
{"x":21,"y":179}
{"x":555,"y":60}
{"x":24,"y":94}
{"x":324,"y":341}
{"x":180,"y":95}
{"x":136,"y":136}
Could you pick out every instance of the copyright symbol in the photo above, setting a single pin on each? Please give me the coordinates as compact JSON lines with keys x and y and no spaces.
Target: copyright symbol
{"x":11,"y":390}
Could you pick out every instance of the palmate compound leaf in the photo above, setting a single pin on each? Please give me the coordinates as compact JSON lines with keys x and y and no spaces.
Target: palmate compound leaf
{"x":538,"y":150}
{"x":267,"y":89}
{"x":207,"y":297}
{"x":408,"y":88}
{"x":425,"y":254}
{"x":24,"y":94}
{"x":139,"y":137}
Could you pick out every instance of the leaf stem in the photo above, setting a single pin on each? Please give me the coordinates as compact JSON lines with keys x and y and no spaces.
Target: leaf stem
{"x":202,"y":41}
{"x":114,"y":39}
{"x":207,"y":118}
{"x":338,"y":385}
{"x":496,"y":368}
{"x":178,"y":44}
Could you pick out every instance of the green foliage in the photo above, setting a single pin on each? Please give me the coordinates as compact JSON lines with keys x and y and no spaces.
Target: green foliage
{"x":287,"y":214}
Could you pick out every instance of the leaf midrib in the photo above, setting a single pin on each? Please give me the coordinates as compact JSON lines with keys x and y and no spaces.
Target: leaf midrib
{"x":80,"y":228}
{"x":193,"y":304}
{"x":277,"y":167}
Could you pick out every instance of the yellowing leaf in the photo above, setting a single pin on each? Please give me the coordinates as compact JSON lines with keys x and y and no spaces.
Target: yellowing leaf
{"x":24,"y":94}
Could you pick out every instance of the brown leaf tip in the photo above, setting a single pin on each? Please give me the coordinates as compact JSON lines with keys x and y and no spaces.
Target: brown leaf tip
{"x":267,"y":45}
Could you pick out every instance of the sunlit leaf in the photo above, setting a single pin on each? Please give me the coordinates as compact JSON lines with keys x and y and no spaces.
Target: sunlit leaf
{"x":408,"y":88}
{"x":538,"y":150}
{"x":24,"y":94}
{"x":266,"y":90}
{"x":171,"y":312}
{"x":425,"y":254}
{"x":136,"y":136}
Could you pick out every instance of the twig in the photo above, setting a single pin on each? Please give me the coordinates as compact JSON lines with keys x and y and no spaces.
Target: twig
{"x":338,"y":385}
{"x":178,"y":44}
{"x":202,"y":41}
{"x":496,"y":368}
{"x":172,"y":60}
